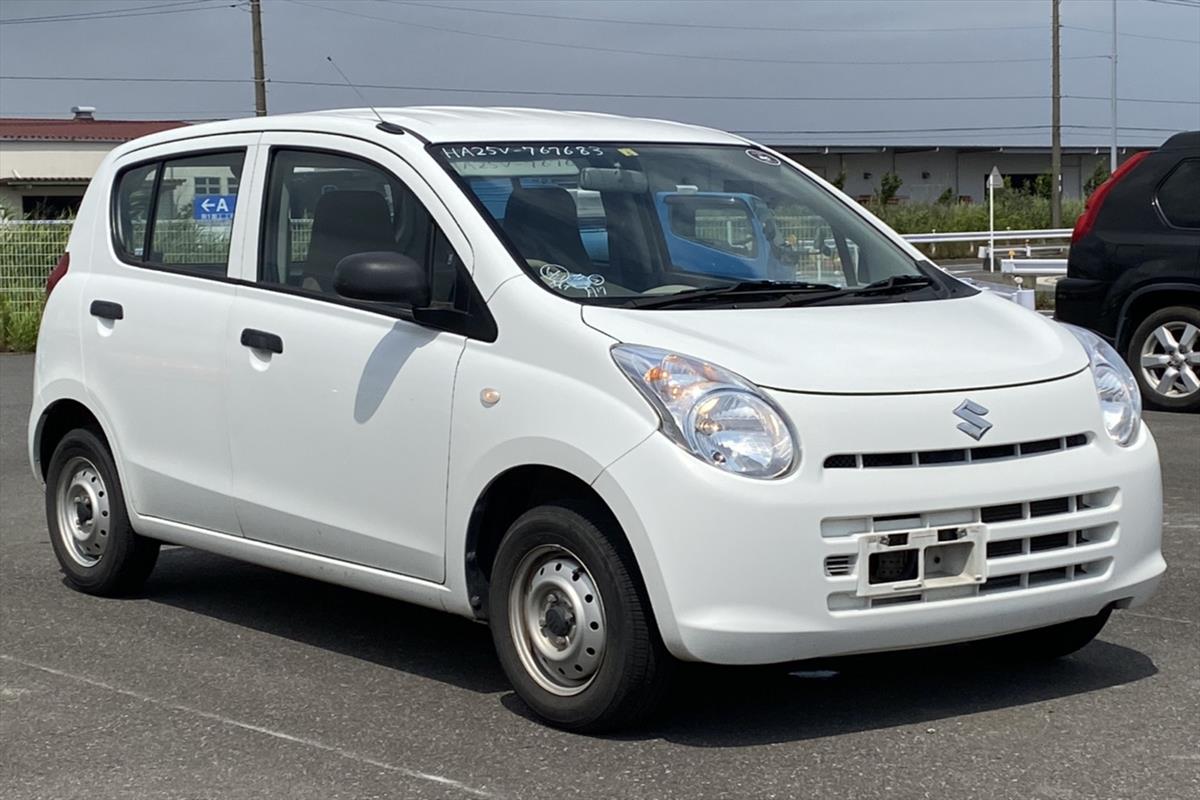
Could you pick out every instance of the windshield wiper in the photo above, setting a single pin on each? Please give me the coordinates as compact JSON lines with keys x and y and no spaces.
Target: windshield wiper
{"x":893,"y":285}
{"x":896,"y":283}
{"x":749,"y":289}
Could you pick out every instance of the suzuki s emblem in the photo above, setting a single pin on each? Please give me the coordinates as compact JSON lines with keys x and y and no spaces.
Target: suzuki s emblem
{"x":973,"y":423}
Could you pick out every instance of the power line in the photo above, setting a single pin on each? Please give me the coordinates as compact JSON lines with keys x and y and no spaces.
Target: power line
{"x":1182,"y":3}
{"x":139,"y":79}
{"x":657,"y":23}
{"x":1131,"y":35}
{"x":691,"y":56}
{"x":613,"y":95}
{"x":122,"y":13}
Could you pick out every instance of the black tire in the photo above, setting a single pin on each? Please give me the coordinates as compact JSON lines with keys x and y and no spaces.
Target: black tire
{"x":122,"y":559}
{"x":630,"y":680}
{"x":1045,"y":644}
{"x":1177,"y":316}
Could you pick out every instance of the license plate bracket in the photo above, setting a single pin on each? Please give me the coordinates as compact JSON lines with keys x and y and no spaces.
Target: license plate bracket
{"x":926,"y":558}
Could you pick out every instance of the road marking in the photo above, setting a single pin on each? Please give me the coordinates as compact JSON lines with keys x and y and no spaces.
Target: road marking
{"x":1164,"y":619}
{"x":287,"y":737}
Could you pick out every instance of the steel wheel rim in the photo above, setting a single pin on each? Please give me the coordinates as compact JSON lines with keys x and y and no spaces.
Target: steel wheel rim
{"x":84,"y":512}
{"x":1170,"y":359}
{"x":556,"y":618}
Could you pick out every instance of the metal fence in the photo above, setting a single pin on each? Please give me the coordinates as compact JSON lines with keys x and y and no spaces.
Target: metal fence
{"x":29,"y":249}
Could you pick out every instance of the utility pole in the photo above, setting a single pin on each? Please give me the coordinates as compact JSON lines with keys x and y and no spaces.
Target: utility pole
{"x":1055,"y":122}
{"x":1112,"y":153}
{"x":260,"y":78}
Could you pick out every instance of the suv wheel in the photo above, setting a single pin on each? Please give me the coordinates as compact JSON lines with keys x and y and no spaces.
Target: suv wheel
{"x":1164,"y":354}
{"x":89,"y":529}
{"x":571,"y":625}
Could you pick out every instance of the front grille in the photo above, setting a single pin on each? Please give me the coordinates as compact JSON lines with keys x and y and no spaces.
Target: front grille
{"x":966,"y":455}
{"x":1020,"y":533}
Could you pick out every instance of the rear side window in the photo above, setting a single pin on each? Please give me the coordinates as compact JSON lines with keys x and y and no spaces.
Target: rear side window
{"x":177,"y":214}
{"x":1179,"y":195}
{"x":322,"y":207}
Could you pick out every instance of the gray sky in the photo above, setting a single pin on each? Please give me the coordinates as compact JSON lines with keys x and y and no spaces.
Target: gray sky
{"x":804,"y":50}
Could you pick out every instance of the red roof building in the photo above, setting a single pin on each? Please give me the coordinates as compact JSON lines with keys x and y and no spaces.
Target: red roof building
{"x":45,"y":164}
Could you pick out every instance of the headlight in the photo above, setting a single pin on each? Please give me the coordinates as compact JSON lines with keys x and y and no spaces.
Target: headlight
{"x":715,"y":415}
{"x":1117,"y":389}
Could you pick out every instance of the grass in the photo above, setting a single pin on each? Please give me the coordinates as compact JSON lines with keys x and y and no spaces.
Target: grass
{"x":19,"y":327}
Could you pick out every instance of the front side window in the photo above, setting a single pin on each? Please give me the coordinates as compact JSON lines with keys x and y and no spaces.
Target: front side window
{"x":623,"y":223}
{"x":164,"y":215}
{"x":322,"y":207}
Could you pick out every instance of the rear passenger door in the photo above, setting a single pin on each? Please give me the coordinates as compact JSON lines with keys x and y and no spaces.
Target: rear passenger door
{"x":158,"y":298}
{"x":339,"y":409}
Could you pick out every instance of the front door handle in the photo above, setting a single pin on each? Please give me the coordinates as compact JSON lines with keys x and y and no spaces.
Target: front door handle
{"x":261,"y":340}
{"x":106,"y":309}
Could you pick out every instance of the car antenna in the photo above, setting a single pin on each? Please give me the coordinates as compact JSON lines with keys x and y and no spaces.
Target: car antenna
{"x":384,"y":125}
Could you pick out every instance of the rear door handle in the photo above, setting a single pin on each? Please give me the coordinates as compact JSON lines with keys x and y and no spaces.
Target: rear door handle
{"x":261,"y":340}
{"x":106,"y":309}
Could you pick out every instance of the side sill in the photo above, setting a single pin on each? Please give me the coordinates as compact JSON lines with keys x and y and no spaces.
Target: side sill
{"x":298,"y":562}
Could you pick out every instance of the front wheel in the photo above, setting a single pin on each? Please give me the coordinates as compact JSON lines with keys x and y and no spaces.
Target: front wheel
{"x":571,"y":624}
{"x":1164,"y":354}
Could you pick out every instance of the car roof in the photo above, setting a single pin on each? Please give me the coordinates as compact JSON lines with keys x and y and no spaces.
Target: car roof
{"x":1183,"y":141}
{"x":463,"y":124}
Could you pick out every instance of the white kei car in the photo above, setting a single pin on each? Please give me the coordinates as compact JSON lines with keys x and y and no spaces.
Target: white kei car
{"x":628,"y":391}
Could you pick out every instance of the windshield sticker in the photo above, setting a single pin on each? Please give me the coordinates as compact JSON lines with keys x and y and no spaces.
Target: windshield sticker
{"x":627,"y":151}
{"x":764,"y":157}
{"x":561,"y":278}
{"x":532,"y":151}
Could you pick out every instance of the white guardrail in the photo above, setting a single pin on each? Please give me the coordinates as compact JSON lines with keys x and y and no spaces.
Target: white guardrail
{"x":1010,"y":266}
{"x":983,"y":236}
{"x":1033,"y":266}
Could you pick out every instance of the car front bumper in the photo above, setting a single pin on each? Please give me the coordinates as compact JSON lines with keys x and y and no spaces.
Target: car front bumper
{"x":739,"y":571}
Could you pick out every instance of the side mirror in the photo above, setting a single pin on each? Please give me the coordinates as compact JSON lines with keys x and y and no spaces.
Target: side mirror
{"x":382,"y":277}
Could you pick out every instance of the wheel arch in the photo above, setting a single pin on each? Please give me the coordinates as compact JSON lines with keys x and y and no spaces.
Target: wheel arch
{"x":1144,"y":301}
{"x":510,"y":494}
{"x":57,"y":419}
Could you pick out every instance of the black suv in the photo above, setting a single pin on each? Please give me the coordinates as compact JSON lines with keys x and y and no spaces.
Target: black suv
{"x":1134,"y":270}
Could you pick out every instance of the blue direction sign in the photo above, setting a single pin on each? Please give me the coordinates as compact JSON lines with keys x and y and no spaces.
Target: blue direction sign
{"x":213,"y":207}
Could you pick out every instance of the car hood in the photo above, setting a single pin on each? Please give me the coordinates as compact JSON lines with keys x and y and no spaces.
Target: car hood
{"x":971,"y":342}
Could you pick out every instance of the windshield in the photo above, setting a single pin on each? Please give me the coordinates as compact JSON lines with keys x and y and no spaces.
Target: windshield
{"x":636,"y":224}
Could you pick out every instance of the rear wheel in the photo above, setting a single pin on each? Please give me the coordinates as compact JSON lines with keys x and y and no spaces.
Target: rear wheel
{"x":1164,"y":354}
{"x":89,"y":530}
{"x":571,"y":625}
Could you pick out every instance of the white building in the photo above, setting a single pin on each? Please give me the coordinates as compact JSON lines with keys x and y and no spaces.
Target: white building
{"x":45,"y":164}
{"x":928,"y":171}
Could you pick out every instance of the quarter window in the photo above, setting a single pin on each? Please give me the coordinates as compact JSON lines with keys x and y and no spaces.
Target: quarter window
{"x":322,"y":207}
{"x":135,"y":193}
{"x":1179,"y":196}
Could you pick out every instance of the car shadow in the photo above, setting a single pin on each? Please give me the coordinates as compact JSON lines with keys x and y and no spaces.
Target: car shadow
{"x":707,"y":706}
{"x":387,"y":632}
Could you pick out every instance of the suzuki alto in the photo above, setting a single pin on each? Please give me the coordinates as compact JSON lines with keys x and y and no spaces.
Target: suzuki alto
{"x":628,"y":391}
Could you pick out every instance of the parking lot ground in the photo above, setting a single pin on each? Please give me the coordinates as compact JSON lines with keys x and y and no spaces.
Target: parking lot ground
{"x":224,"y":680}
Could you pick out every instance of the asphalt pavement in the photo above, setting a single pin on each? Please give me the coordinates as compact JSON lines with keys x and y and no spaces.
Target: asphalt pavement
{"x":225,"y":680}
